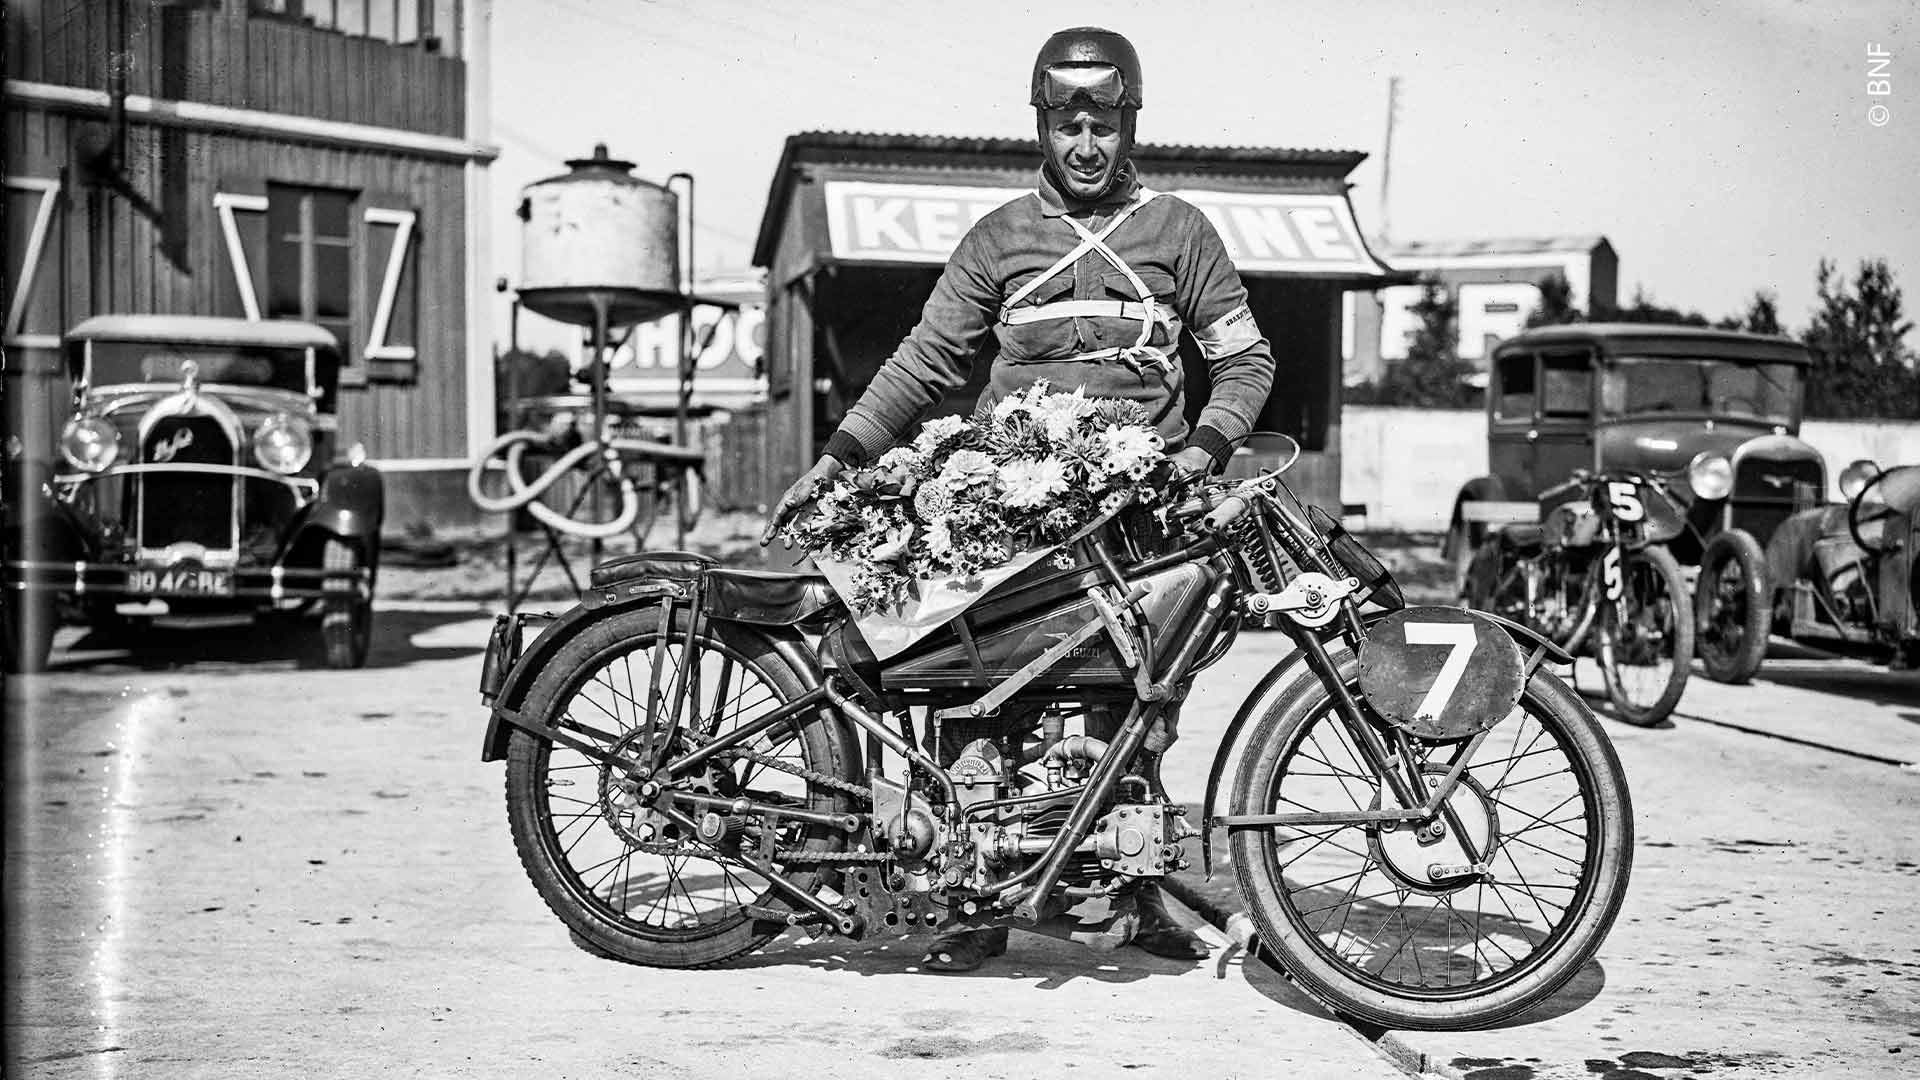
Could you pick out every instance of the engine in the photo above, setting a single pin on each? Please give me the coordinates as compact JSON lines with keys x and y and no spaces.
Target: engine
{"x":1007,"y":812}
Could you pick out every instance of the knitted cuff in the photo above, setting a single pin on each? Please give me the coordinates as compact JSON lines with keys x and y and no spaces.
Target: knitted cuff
{"x":1214,"y":442}
{"x":847,"y":449}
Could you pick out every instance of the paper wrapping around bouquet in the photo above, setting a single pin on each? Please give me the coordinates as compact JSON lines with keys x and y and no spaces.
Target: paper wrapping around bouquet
{"x":940,"y":599}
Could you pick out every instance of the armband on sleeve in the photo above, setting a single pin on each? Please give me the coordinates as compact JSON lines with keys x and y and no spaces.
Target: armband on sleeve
{"x":1234,"y":332}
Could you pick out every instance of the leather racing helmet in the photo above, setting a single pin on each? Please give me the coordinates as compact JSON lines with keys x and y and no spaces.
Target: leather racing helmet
{"x":1086,"y":63}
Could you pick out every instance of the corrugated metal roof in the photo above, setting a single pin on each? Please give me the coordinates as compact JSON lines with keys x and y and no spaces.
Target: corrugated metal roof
{"x":203,"y":330}
{"x":903,"y":151}
{"x":1503,"y":245}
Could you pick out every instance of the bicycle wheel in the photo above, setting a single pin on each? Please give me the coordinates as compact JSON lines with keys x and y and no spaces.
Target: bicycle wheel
{"x":626,"y":880}
{"x":1361,"y":916}
{"x":1646,"y":637}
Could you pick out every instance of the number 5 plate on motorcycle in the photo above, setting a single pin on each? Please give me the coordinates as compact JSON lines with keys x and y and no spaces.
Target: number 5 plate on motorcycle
{"x":1440,"y":673}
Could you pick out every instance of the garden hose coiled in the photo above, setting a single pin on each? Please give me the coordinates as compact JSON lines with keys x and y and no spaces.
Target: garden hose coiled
{"x":524,"y":494}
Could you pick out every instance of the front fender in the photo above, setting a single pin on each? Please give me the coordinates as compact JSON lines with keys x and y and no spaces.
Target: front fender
{"x":351,"y":503}
{"x":1459,"y":530}
{"x":1286,"y":679}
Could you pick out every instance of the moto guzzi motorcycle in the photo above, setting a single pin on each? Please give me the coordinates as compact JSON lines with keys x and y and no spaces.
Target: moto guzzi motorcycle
{"x":1596,"y":571}
{"x":1429,"y":829}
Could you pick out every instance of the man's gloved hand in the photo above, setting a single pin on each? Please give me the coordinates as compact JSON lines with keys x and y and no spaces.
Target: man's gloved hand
{"x":803,"y":489}
{"x":1189,"y":463}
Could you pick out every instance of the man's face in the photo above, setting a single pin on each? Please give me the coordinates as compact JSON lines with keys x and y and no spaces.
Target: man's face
{"x":1084,"y":144}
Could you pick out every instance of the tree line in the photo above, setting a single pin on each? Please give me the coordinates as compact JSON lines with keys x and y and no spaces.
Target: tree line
{"x":1862,"y":365}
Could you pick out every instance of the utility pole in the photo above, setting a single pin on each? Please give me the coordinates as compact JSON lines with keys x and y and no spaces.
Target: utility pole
{"x":1386,"y":158}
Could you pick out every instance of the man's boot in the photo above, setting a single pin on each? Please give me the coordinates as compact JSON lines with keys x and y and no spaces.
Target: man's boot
{"x":965,"y":950}
{"x":1160,"y":933}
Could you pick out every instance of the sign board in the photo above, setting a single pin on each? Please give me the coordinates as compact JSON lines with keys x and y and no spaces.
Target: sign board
{"x":1276,"y":233}
{"x":725,"y":372}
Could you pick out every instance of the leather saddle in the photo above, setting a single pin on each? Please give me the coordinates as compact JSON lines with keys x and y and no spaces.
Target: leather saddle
{"x":762,"y":597}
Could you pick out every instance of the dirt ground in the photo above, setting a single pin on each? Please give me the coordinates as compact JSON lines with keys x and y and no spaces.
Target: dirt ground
{"x":474,"y":568}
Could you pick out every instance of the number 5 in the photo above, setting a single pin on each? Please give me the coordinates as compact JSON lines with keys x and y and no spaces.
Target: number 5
{"x":1624,"y":496}
{"x":1460,"y":640}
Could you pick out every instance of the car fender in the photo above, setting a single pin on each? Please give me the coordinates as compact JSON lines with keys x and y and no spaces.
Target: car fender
{"x":351,"y":503}
{"x":45,"y":528}
{"x":1478,"y":489}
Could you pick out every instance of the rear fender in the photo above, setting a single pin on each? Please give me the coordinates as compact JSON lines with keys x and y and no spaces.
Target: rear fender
{"x":520,"y":672}
{"x":1295,"y":676}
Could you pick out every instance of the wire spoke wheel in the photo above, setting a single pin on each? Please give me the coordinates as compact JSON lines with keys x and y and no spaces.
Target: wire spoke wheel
{"x":1395,"y":922}
{"x":627,"y":878}
{"x":1646,"y":637}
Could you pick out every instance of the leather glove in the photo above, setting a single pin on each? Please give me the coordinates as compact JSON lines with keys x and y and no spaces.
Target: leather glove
{"x":798,"y":495}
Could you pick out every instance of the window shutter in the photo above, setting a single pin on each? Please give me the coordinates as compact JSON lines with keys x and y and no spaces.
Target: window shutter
{"x":240,"y":207}
{"x":391,"y":325}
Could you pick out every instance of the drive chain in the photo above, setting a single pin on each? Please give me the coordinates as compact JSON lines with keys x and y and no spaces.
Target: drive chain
{"x":811,"y":776}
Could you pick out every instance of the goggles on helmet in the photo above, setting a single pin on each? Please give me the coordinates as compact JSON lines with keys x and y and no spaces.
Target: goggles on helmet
{"x":1101,"y":85}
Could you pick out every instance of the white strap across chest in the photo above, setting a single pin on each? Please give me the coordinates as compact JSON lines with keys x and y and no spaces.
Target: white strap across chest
{"x":1145,"y":309}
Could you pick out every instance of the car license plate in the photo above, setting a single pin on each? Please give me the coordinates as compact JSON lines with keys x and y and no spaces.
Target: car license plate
{"x":188,"y":582}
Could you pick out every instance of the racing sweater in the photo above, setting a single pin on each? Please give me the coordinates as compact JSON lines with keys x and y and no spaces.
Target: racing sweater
{"x":1168,"y":244}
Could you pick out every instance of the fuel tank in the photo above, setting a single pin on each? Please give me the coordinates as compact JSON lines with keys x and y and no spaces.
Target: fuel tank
{"x":1027,"y":616}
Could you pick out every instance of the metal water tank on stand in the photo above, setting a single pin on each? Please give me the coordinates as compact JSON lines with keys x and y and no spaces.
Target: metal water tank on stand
{"x":600,"y":246}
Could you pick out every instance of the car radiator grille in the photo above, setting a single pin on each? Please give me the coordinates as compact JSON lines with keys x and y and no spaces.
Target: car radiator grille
{"x":187,"y":507}
{"x":1763,"y":492}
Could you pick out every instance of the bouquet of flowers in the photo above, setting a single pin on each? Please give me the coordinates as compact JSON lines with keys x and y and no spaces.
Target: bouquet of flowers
{"x":967,"y":497}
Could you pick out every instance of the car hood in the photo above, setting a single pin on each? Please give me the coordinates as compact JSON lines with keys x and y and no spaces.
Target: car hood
{"x":1667,"y":444}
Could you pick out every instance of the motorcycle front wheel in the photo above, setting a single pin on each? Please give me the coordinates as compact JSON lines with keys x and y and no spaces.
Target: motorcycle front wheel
{"x":1383,"y":922}
{"x":628,"y":882}
{"x":1646,"y":637}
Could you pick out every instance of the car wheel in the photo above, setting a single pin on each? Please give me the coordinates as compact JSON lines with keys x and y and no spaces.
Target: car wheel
{"x":27,"y":623}
{"x":346,"y":611}
{"x":1733,"y":607}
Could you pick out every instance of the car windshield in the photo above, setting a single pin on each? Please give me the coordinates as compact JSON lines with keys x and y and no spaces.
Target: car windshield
{"x":119,"y":362}
{"x":1638,"y":385}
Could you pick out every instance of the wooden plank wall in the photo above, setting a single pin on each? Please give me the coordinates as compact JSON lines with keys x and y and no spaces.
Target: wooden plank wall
{"x":424,"y":419}
{"x":241,"y":61}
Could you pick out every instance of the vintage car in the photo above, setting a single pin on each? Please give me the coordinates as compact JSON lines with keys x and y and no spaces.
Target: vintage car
{"x":1843,"y":577}
{"x":1715,"y":412}
{"x":196,"y":477}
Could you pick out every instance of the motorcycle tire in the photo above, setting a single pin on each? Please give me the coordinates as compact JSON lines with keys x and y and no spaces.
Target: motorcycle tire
{"x":1643,"y":689}
{"x":626,"y":884}
{"x":1285,"y":775}
{"x":1732,"y":607}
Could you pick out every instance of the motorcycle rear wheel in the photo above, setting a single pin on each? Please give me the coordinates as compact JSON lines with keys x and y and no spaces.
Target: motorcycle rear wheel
{"x":1646,"y":640}
{"x":1545,"y":784}
{"x":630,"y":885}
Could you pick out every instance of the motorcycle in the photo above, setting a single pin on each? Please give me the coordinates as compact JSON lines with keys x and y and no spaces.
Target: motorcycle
{"x":1428,"y":827}
{"x":1596,"y":569}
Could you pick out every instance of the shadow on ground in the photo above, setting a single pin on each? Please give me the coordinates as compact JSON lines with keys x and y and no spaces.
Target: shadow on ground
{"x":400,"y":639}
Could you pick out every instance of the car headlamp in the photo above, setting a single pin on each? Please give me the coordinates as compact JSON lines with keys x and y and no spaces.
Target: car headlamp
{"x":283,"y":444}
{"x":1710,"y":475}
{"x":1855,"y":476}
{"x":90,"y":444}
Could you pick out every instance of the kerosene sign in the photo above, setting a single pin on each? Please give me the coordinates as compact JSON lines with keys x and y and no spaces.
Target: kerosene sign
{"x":1270,"y":232}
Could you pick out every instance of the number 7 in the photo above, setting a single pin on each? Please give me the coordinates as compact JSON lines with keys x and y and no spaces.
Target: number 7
{"x":1460,"y":640}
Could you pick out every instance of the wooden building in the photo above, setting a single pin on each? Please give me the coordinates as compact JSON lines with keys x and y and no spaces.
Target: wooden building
{"x":315,"y":159}
{"x":858,"y":227}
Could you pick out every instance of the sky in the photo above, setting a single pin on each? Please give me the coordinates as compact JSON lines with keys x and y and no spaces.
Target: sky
{"x":1723,"y":148}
